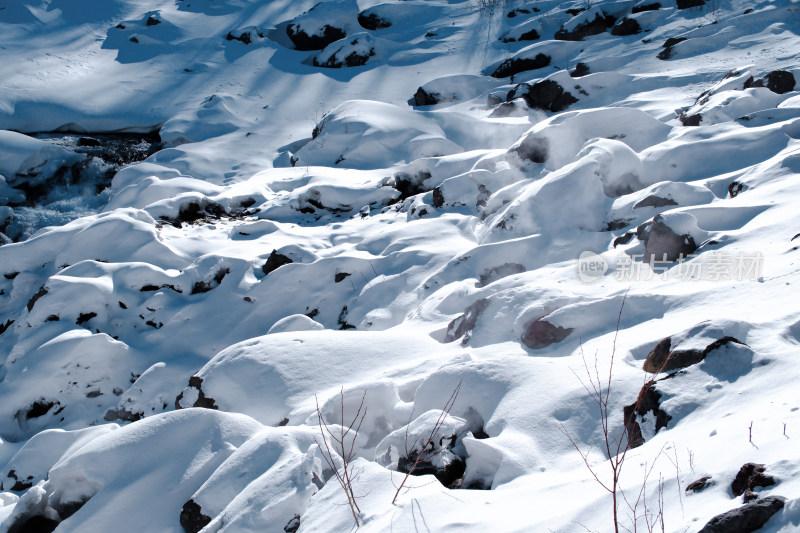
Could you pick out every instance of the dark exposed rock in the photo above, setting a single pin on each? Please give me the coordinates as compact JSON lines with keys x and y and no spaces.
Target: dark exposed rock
{"x":245,"y":37}
{"x":505,"y":109}
{"x":293,"y":525}
{"x":450,"y":476}
{"x":530,"y":35}
{"x":625,"y":238}
{"x":372,"y":21}
{"x":275,"y":261}
{"x":520,"y":11}
{"x":690,"y":120}
{"x":205,"y":286}
{"x":663,"y":359}
{"x":20,"y":484}
{"x":541,"y":334}
{"x":306,"y":42}
{"x":593,"y":27}
{"x":750,"y":476}
{"x":616,"y":224}
{"x":202,"y":401}
{"x":546,"y":95}
{"x":192,"y":518}
{"x":34,"y":524}
{"x":493,"y":274}
{"x":654,"y":201}
{"x":410,"y":185}
{"x":35,"y":298}
{"x":699,"y":484}
{"x":83,"y":318}
{"x":580,"y":70}
{"x":438,"y":197}
{"x":39,"y":408}
{"x":340,"y":276}
{"x":777,"y":81}
{"x":151,"y":288}
{"x":575,"y":11}
{"x":662,"y":243}
{"x":152,"y":21}
{"x":626,"y":26}
{"x":747,"y":518}
{"x":342,"y":320}
{"x":4,"y":327}
{"x":353,"y":59}
{"x":533,"y":149}
{"x":686,"y":4}
{"x":646,"y":7}
{"x":648,"y":401}
{"x":669,"y":47}
{"x":423,"y":97}
{"x":512,"y":66}
{"x":464,"y":324}
{"x":123,"y":414}
{"x":735,"y":188}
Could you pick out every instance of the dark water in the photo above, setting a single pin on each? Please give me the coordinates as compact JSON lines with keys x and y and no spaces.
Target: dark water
{"x":79,"y":190}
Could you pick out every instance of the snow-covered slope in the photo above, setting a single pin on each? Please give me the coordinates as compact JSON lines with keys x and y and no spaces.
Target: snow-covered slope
{"x":558,"y":221}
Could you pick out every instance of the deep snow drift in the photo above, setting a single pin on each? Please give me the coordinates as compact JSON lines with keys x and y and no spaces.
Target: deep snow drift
{"x":364,"y":207}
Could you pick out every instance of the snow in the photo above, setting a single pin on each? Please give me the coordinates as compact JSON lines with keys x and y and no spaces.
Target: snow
{"x":307,"y":238}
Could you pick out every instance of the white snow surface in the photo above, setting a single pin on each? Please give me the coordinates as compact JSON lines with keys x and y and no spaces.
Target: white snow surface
{"x":309,"y":247}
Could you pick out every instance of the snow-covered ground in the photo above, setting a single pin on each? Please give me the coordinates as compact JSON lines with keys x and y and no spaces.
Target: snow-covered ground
{"x":359,"y":211}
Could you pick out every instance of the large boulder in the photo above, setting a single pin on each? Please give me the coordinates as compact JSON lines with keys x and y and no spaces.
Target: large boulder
{"x":747,"y":518}
{"x":323,"y":24}
{"x":353,"y":51}
{"x":663,"y":243}
{"x":693,"y":345}
{"x":590,"y":22}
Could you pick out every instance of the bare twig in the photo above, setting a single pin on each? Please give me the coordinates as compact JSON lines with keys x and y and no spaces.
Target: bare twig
{"x":344,"y":476}
{"x":428,"y":450}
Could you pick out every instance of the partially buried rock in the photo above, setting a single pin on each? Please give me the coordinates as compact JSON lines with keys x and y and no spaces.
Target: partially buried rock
{"x":192,"y":518}
{"x":275,"y":261}
{"x":665,"y":357}
{"x":662,"y":243}
{"x":371,"y":21}
{"x":626,"y":26}
{"x":541,"y":334}
{"x":462,"y":325}
{"x":669,"y":47}
{"x":600,"y":23}
{"x":686,"y":4}
{"x":307,"y":33}
{"x":699,"y":485}
{"x":777,"y":81}
{"x":422,"y":98}
{"x":581,"y":69}
{"x":648,"y":401}
{"x":750,"y":476}
{"x":512,"y":66}
{"x":546,"y":95}
{"x":352,"y":52}
{"x":747,"y":518}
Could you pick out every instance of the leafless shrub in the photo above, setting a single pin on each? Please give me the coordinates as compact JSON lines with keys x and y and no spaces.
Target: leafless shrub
{"x":428,"y":449}
{"x":343,"y":444}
